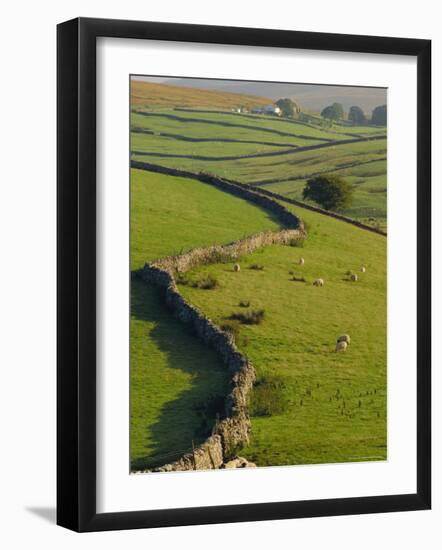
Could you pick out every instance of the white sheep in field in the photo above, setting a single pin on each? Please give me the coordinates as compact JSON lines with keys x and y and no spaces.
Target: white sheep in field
{"x":341,"y":346}
{"x":236,"y":267}
{"x":318,"y":282}
{"x":353,"y":277}
{"x":301,"y":261}
{"x":363,"y":269}
{"x":344,"y":338}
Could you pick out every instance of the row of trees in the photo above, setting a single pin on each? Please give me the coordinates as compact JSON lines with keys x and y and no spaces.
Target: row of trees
{"x":335,"y":112}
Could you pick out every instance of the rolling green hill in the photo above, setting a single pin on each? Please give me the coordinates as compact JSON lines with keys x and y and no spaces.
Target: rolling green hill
{"x":310,"y":404}
{"x":335,"y":404}
{"x":279,"y":154}
{"x":173,"y":375}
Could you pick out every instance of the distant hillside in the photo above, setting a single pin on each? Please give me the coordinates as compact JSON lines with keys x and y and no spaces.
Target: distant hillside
{"x":311,"y":97}
{"x":163,"y":95}
{"x":315,"y":98}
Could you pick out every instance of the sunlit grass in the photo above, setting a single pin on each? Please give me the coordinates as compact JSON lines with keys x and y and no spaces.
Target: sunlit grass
{"x":336,"y":403}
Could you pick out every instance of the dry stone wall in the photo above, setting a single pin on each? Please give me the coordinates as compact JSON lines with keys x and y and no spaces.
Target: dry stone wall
{"x":238,"y":190}
{"x":254,"y":194}
{"x":232,"y":431}
{"x":208,"y":456}
{"x":233,"y":428}
{"x":329,"y":213}
{"x":229,"y":252}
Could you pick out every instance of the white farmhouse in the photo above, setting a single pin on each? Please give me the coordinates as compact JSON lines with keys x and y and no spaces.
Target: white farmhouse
{"x":240,"y":109}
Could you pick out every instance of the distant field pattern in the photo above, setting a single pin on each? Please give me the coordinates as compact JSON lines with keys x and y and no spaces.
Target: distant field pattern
{"x":273,"y":152}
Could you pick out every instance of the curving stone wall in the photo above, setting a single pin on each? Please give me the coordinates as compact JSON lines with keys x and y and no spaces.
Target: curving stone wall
{"x":329,"y":213}
{"x":254,"y":194}
{"x":232,"y":251}
{"x":233,"y":429}
{"x":238,"y":190}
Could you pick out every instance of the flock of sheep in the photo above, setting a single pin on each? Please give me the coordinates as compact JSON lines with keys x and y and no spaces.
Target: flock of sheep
{"x":344,"y":340}
{"x":320,"y":282}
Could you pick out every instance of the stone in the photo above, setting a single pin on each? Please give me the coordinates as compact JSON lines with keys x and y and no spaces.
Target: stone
{"x":238,"y":462}
{"x":233,"y":431}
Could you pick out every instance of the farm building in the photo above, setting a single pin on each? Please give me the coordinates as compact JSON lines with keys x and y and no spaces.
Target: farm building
{"x":272,"y":110}
{"x":267,"y":110}
{"x":240,"y":109}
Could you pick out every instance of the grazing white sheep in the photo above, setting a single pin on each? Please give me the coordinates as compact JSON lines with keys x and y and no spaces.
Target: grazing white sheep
{"x":301,"y":261}
{"x":363,"y":269}
{"x":318,"y":282}
{"x":344,"y":338}
{"x":353,"y":277}
{"x":341,"y":346}
{"x":236,"y":267}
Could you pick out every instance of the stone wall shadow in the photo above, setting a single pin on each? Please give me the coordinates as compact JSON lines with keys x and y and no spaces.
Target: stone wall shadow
{"x":179,"y":423}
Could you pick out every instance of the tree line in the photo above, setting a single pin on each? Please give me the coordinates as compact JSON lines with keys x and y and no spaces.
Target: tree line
{"x":335,"y":112}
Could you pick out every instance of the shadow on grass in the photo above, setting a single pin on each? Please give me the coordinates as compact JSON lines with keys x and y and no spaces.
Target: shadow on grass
{"x":191,"y":415}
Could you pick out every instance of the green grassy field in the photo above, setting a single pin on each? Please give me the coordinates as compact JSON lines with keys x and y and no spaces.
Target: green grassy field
{"x":358,"y":130}
{"x":334,"y":404}
{"x":342,"y":127}
{"x":370,"y":187}
{"x":362,"y":163}
{"x":268,"y":124}
{"x":214,"y":131}
{"x":173,"y":375}
{"x":285,"y":166}
{"x":310,"y":405}
{"x":143,"y":142}
{"x":171,"y":215}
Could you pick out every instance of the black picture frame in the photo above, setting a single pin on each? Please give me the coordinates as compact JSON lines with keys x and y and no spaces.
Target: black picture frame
{"x":76,"y":274}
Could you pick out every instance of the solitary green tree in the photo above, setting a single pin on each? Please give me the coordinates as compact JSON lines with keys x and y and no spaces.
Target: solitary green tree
{"x":329,"y":191}
{"x":379,"y":115}
{"x":288,"y":107}
{"x":356,"y":115}
{"x":333,"y":112}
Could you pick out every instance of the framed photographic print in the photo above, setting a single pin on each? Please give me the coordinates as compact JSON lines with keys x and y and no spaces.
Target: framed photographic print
{"x":243,"y":274}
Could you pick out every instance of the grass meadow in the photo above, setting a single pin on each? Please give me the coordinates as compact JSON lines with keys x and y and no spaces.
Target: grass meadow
{"x":310,"y":404}
{"x":334,"y":404}
{"x":173,"y":375}
{"x":201,"y":141}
